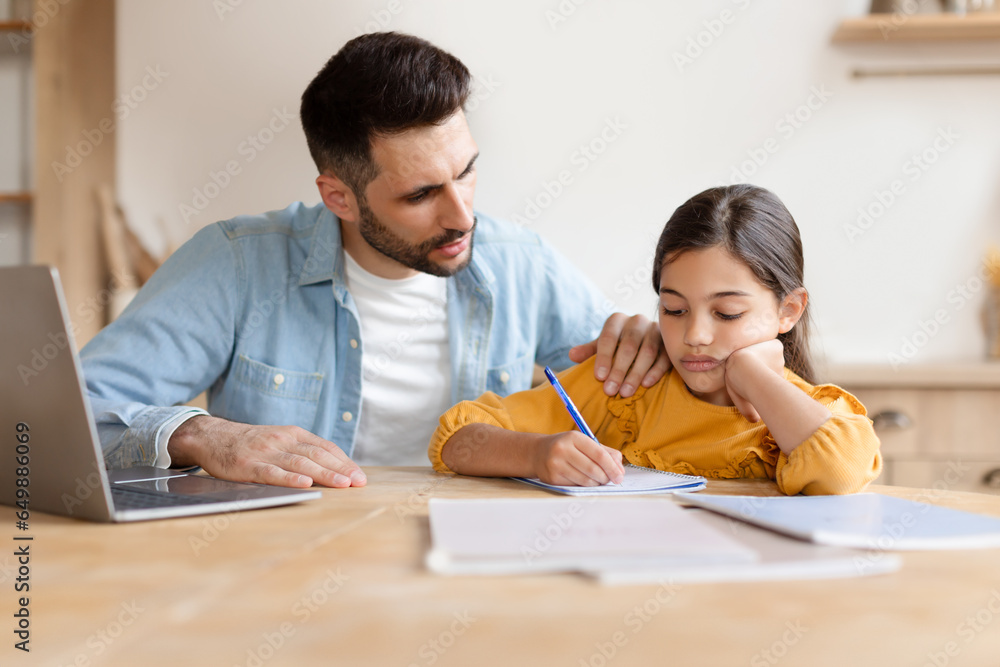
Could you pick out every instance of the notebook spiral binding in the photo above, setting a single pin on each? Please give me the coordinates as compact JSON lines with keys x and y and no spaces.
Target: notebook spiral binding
{"x":665,"y":472}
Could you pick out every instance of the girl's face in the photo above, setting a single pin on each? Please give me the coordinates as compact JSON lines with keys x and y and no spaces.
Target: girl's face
{"x":711,"y":305}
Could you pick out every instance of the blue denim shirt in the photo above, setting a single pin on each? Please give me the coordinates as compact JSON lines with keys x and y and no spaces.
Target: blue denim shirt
{"x":256,"y":311}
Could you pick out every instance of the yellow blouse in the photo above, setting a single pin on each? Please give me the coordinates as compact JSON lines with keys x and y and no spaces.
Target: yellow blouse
{"x":667,"y":428}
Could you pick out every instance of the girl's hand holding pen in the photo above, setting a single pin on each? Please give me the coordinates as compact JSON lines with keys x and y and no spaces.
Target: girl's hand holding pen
{"x":571,"y":458}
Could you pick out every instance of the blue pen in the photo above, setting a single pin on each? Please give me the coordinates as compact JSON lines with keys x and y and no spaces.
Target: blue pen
{"x":573,"y":412}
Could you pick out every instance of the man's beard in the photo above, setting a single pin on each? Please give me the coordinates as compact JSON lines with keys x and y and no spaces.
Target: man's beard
{"x":383,"y":239}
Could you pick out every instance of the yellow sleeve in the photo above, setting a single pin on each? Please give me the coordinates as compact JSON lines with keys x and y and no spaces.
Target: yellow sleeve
{"x":537,"y":410}
{"x":841,"y":456}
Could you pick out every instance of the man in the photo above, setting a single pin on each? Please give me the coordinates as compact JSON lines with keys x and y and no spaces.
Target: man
{"x":343,"y":330}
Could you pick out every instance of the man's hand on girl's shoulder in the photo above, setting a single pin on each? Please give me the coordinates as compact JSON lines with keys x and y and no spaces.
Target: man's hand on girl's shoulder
{"x":630,"y":354}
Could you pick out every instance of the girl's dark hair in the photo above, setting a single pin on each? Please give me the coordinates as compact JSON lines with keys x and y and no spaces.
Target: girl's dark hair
{"x":753,"y":225}
{"x":381,"y":83}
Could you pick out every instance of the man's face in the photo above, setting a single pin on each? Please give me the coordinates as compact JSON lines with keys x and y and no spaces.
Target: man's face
{"x":418,"y":210}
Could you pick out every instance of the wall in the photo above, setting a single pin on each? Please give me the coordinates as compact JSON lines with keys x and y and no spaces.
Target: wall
{"x":557,"y":76}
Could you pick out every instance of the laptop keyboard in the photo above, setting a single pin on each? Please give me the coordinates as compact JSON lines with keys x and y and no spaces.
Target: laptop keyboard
{"x":134,"y":499}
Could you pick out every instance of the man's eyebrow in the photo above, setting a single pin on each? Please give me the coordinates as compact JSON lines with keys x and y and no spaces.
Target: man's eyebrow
{"x":428,"y":188}
{"x":717,"y":295}
{"x":468,"y":167}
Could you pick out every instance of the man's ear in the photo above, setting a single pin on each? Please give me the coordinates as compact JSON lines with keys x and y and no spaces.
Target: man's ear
{"x":791,"y":309}
{"x":338,"y":197}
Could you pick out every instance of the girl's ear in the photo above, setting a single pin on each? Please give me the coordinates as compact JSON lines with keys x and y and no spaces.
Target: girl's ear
{"x":791,"y":309}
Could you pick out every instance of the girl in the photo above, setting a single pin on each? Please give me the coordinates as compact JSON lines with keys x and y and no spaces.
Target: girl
{"x":740,"y":401}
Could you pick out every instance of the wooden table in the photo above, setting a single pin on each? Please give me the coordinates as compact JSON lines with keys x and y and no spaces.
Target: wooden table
{"x":341,"y":581}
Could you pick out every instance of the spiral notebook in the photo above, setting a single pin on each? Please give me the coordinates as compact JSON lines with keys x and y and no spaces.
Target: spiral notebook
{"x":637,"y":480}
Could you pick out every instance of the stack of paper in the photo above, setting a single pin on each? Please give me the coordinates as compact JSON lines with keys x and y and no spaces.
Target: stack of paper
{"x":779,"y":559}
{"x":726,"y":538}
{"x":506,"y":536}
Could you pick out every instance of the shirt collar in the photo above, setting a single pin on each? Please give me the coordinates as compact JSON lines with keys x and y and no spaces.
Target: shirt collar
{"x":325,"y":260}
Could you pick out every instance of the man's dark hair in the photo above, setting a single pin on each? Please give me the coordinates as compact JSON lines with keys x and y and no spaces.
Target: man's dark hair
{"x":378,"y":84}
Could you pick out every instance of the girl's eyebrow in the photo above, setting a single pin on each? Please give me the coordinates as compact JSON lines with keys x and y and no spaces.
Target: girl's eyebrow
{"x":717,"y":295}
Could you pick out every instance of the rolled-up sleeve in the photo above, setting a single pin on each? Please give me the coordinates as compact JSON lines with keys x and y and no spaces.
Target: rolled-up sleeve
{"x":487,"y":409}
{"x":172,"y":342}
{"x":537,"y":410}
{"x":840,"y":457}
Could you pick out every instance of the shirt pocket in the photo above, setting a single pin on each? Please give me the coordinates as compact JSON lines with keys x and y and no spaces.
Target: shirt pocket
{"x":272,"y":395}
{"x":511,"y":377}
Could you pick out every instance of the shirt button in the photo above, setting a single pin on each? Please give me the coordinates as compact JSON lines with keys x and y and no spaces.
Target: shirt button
{"x":279,"y":379}
{"x":505,"y":377}
{"x":347,"y":416}
{"x":354,"y":344}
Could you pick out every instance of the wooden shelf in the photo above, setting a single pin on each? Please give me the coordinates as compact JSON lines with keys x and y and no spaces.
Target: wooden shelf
{"x":15,"y":197}
{"x":968,"y":375}
{"x":15,"y":25}
{"x":919,"y":28}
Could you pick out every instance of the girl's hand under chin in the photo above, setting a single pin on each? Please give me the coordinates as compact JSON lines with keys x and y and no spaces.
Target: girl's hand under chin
{"x":746,"y":364}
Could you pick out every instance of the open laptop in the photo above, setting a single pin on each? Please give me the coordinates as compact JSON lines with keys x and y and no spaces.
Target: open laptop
{"x":50,"y":457}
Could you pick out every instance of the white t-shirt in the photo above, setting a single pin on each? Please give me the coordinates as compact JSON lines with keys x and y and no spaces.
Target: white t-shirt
{"x":406,"y":368}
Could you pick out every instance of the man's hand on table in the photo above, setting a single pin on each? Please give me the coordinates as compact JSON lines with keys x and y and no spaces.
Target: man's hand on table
{"x":278,"y":455}
{"x":629,"y":352}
